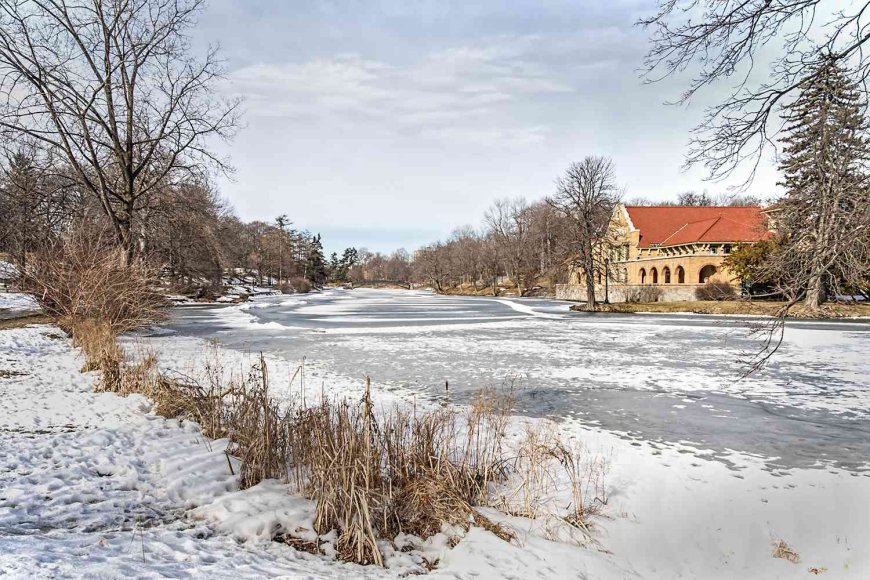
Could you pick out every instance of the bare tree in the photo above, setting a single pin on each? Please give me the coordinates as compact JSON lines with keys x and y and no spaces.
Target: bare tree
{"x":37,"y":202}
{"x":430,"y":265}
{"x":726,"y":39}
{"x":587,"y":194}
{"x":111,"y":86}
{"x":510,"y":225}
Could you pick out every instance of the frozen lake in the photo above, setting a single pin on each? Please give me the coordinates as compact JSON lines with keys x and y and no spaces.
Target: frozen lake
{"x":660,"y":378}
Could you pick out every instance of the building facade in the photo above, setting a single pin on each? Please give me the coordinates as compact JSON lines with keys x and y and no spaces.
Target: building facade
{"x":674,"y":248}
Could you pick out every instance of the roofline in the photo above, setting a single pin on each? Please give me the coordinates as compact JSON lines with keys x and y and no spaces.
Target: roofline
{"x":660,"y":245}
{"x":699,"y":206}
{"x":624,"y":209}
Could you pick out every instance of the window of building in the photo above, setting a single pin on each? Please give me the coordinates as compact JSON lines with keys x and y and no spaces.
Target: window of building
{"x":666,"y":274}
{"x":655,"y":275}
{"x":681,"y":275}
{"x":642,"y":276}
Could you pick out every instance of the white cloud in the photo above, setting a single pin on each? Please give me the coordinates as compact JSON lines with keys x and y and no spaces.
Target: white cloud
{"x":470,"y":93}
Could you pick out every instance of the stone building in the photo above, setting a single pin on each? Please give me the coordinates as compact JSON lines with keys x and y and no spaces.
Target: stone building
{"x":674,"y":248}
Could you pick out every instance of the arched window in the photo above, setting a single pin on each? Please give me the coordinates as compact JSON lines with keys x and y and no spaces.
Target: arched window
{"x":666,"y":274}
{"x":655,"y":275}
{"x":642,"y":276}
{"x":706,"y":273}
{"x":681,"y":275}
{"x":625,"y":275}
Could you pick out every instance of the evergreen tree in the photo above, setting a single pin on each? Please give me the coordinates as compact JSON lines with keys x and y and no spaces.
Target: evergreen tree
{"x":334,"y":267}
{"x":824,"y":217}
{"x":315,"y":267}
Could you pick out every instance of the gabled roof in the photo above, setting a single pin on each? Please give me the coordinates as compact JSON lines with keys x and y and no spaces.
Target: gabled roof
{"x":677,"y":225}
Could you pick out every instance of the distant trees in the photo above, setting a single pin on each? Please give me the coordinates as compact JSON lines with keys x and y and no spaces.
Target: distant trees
{"x":587,"y":195}
{"x":37,"y":202}
{"x":704,"y":198}
{"x":522,"y":241}
{"x":510,"y":225}
{"x":111,"y":88}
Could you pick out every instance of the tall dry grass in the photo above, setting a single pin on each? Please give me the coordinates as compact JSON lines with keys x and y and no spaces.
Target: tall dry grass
{"x":548,"y":471}
{"x":376,"y":473}
{"x":372,"y":474}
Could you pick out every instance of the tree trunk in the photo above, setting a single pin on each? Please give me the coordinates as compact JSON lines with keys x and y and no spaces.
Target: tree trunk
{"x":590,"y":285}
{"x":815,"y":294}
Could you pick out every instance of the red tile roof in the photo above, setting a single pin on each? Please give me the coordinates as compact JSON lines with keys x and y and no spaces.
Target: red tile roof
{"x":676,"y":225}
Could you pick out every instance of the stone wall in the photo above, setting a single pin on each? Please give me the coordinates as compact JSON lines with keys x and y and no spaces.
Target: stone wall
{"x":617,"y":292}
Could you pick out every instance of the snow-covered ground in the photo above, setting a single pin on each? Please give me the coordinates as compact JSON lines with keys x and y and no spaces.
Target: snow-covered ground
{"x":12,"y":303}
{"x":94,"y":485}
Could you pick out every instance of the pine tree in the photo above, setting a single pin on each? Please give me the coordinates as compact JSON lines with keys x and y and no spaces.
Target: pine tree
{"x":823,"y":217}
{"x":315,"y":267}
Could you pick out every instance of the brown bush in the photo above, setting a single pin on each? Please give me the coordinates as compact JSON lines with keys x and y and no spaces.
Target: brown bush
{"x":87,"y":278}
{"x":643,"y":294}
{"x":296,"y":286}
{"x":371,"y":475}
{"x":715,"y":291}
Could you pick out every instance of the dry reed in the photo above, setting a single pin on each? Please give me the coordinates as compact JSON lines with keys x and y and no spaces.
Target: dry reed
{"x":372,"y":474}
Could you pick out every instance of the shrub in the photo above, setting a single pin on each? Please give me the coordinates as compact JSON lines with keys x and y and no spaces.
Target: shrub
{"x":643,"y":294}
{"x":296,"y":286}
{"x":86,"y":278}
{"x":715,"y":291}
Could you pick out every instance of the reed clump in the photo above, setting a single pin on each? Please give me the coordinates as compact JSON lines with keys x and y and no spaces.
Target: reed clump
{"x":373,"y":473}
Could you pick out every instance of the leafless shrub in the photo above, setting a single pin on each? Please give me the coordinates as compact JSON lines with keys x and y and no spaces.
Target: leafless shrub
{"x":374,"y":475}
{"x":643,"y":294}
{"x":715,"y":291}
{"x":296,"y":286}
{"x":85,"y":277}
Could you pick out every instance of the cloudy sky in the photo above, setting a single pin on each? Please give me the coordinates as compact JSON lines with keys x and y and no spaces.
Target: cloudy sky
{"x":386,"y":124}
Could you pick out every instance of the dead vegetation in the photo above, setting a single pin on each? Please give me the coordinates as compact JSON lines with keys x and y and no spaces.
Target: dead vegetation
{"x":716,"y":291}
{"x":376,"y":473}
{"x":85,"y":277}
{"x":784,"y":551}
{"x":85,"y":284}
{"x":22,"y":321}
{"x":546,"y":464}
{"x":643,"y":294}
{"x":744,"y":307}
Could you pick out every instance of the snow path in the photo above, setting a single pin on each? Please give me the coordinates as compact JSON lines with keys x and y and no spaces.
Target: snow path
{"x":93,"y":486}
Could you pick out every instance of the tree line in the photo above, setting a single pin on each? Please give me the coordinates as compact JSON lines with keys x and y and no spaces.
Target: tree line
{"x":186,"y":228}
